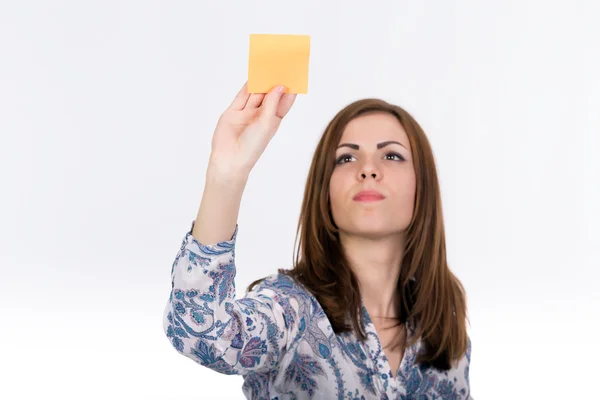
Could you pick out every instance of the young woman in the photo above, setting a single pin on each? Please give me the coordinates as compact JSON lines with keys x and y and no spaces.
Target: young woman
{"x":370,"y":308}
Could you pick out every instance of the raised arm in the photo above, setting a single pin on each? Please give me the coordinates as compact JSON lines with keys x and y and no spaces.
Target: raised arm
{"x":240,"y":138}
{"x":203,"y":319}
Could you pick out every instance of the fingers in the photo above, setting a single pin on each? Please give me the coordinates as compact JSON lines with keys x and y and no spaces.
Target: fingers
{"x":285,"y":103}
{"x":239,"y":102}
{"x":255,"y":100}
{"x":275,"y":103}
{"x":271,"y":102}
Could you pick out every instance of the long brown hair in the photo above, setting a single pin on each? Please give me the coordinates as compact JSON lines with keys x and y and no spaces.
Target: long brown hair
{"x":431,"y":295}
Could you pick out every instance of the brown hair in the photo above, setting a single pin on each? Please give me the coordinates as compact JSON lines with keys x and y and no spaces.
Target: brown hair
{"x":434,"y":298}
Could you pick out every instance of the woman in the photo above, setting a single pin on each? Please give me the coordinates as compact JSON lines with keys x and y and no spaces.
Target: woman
{"x":370,"y":309}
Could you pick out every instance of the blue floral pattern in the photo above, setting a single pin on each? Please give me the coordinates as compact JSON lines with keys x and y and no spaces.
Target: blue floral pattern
{"x":279,"y":338}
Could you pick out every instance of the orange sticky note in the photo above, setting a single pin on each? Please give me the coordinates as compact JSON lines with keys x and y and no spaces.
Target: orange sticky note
{"x":278,"y":60}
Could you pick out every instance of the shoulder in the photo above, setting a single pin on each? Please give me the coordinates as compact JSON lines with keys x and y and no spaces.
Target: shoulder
{"x":285,"y":297}
{"x":284,"y":289}
{"x":280,"y":286}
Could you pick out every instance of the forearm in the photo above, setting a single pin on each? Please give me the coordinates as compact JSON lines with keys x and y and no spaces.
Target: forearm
{"x":220,"y":205}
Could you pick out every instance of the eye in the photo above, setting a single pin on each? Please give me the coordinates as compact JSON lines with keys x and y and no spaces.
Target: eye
{"x":342,"y":159}
{"x":398,"y":156}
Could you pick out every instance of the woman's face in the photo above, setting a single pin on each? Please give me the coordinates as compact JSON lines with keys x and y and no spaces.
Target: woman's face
{"x":373,"y":155}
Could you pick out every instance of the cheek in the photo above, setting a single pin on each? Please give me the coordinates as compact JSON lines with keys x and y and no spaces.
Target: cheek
{"x":405,"y":195}
{"x":333,"y":192}
{"x":336,"y":190}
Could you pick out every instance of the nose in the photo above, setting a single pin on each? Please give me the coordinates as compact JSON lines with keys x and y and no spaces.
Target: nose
{"x":369,"y":170}
{"x":364,"y":176}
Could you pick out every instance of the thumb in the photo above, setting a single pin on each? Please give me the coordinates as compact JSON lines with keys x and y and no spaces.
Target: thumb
{"x":272,"y":101}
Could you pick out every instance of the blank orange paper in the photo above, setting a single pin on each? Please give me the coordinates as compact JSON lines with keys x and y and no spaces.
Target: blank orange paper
{"x":278,"y":60}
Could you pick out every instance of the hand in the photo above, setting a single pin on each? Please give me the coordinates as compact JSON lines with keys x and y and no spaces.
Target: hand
{"x":245,"y":128}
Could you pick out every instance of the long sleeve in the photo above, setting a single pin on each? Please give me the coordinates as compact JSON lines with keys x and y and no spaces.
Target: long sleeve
{"x":461,"y":387}
{"x":205,"y":322}
{"x":467,"y":366}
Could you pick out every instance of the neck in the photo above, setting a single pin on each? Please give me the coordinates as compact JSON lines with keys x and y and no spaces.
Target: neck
{"x":376,"y":263}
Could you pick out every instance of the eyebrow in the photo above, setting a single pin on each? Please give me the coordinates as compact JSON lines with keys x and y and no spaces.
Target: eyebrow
{"x":379,"y":145}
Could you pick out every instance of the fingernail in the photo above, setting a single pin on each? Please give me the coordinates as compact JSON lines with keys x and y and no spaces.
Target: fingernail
{"x":280,"y":89}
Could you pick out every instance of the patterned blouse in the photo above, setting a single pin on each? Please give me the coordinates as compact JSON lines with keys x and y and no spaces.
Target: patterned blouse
{"x":279,"y":339}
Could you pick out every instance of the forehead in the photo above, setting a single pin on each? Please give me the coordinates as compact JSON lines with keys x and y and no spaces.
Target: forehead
{"x":374,"y":128}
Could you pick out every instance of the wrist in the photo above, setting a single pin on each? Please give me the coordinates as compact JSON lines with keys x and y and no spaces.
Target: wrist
{"x":227,"y":176}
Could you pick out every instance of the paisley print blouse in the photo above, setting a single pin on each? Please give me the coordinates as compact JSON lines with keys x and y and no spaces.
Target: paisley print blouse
{"x":279,"y":339}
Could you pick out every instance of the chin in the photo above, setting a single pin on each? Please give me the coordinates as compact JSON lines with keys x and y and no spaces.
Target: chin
{"x":372,"y":229}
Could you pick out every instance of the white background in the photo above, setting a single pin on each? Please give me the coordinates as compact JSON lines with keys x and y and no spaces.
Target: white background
{"x":106,"y":114}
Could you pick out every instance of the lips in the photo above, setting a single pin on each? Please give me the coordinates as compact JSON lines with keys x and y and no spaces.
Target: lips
{"x":368,"y":195}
